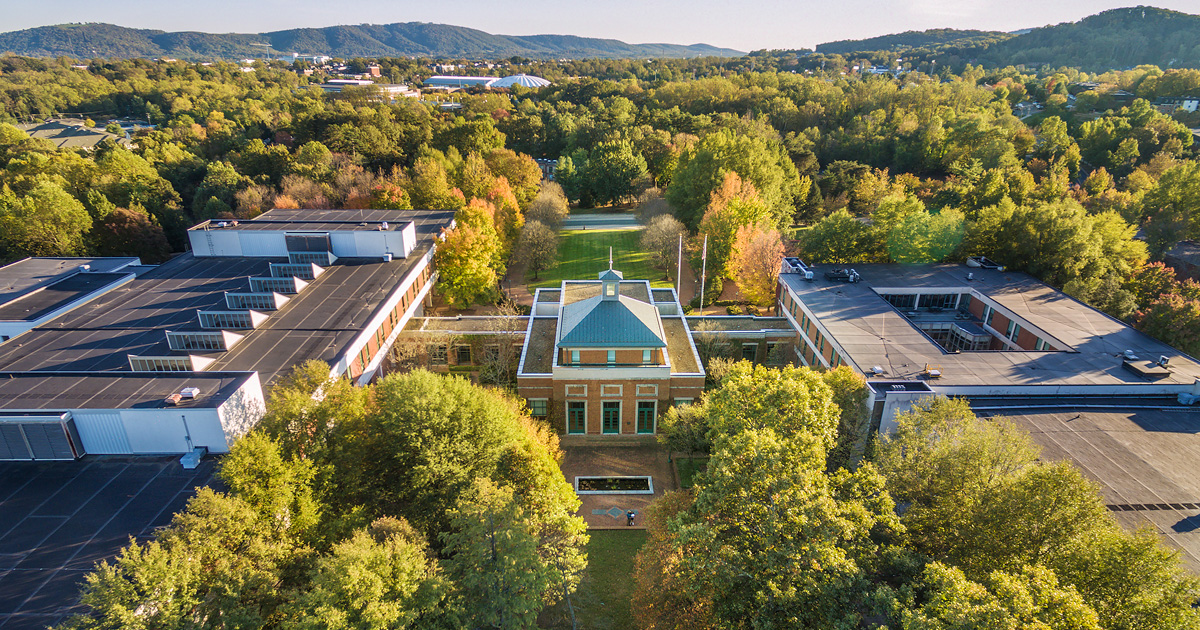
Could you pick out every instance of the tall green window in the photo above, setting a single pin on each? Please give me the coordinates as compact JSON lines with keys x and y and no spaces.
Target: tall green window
{"x":645,"y":416}
{"x":610,"y":417}
{"x":576,"y":417}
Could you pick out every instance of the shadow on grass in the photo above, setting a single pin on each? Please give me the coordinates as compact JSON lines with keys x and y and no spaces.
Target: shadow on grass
{"x":602,"y":600}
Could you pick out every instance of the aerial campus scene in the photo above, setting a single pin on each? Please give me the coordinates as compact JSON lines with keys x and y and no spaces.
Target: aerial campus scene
{"x":882,"y":315}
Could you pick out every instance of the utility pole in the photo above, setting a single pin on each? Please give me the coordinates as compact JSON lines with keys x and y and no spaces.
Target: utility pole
{"x":679,"y":268}
{"x":703,"y":272}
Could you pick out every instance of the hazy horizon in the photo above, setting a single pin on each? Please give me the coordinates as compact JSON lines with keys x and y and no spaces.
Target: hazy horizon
{"x":766,"y":24}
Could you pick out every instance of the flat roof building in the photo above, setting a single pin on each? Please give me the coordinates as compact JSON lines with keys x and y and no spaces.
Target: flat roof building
{"x":972,"y":331}
{"x":252,"y":300}
{"x":607,"y":356}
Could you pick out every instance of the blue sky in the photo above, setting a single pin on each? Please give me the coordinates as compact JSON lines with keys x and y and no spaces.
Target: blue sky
{"x":740,"y":25}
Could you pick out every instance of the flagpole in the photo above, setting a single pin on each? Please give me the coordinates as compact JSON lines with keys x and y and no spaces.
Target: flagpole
{"x":679,"y":268}
{"x":703,"y":272}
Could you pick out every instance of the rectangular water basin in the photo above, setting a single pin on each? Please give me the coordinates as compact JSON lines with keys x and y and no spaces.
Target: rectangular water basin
{"x":614,"y":485}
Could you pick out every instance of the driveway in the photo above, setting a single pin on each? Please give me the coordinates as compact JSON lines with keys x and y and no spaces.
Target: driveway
{"x":601,"y":222}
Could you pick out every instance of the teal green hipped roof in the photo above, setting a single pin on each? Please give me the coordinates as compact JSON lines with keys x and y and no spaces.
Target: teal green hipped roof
{"x":620,"y":323}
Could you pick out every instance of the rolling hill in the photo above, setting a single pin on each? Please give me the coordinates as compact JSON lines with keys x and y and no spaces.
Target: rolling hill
{"x":364,"y":40}
{"x":1113,"y":39}
{"x":913,"y":39}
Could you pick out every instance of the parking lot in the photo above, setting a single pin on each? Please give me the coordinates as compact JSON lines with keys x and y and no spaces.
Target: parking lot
{"x":57,"y":519}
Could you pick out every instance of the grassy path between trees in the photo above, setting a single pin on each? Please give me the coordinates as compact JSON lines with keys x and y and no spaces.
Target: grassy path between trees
{"x":602,"y":600}
{"x":584,"y":253}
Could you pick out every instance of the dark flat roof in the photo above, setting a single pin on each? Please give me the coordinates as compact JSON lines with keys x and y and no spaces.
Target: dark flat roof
{"x":112,"y":390}
{"x":60,"y":518}
{"x":1143,"y":459}
{"x":45,"y":300}
{"x":25,"y":275}
{"x":133,"y":319}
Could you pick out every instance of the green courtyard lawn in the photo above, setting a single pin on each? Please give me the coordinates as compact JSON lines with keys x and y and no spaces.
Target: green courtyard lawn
{"x":582,"y":254}
{"x":688,"y":468}
{"x":602,"y":600}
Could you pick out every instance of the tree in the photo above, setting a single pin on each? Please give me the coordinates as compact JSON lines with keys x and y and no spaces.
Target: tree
{"x":840,"y":239}
{"x":660,"y":597}
{"x":537,"y":247}
{"x":614,"y":172}
{"x":1030,"y":598}
{"x":757,"y":256}
{"x":470,"y":257}
{"x":46,"y":221}
{"x":684,"y":429}
{"x":850,"y":394}
{"x":734,"y":204}
{"x":661,"y":240}
{"x":493,"y":561}
{"x":922,"y":237}
{"x":1171,"y":207}
{"x":651,"y":204}
{"x":1173,"y":319}
{"x":126,"y":231}
{"x":549,"y":207}
{"x":763,"y":163}
{"x":383,"y":577}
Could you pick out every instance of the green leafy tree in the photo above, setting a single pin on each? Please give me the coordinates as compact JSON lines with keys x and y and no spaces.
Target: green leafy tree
{"x":763,"y":163}
{"x":614,"y":172}
{"x":493,"y":561}
{"x":840,"y":239}
{"x":383,"y":577}
{"x":46,"y":221}
{"x":922,"y":237}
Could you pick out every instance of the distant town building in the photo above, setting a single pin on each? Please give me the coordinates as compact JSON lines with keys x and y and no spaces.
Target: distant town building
{"x":390,"y":90}
{"x":1171,"y":103}
{"x":449,"y":82}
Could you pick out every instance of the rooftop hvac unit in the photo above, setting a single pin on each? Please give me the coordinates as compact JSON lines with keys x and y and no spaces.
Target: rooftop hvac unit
{"x":877,"y":370}
{"x":173,"y":399}
{"x":189,"y":392}
{"x":387,"y":257}
{"x":84,"y":268}
{"x":1164,"y":360}
{"x":1130,"y":356}
{"x":383,"y":226}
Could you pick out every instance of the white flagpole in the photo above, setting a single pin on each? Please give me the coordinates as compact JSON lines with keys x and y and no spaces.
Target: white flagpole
{"x":610,"y":257}
{"x":679,"y":268}
{"x":703,"y":272}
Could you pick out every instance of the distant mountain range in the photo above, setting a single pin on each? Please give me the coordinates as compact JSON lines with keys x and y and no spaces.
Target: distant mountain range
{"x":914,"y":39}
{"x":1114,"y":39}
{"x":87,"y":41}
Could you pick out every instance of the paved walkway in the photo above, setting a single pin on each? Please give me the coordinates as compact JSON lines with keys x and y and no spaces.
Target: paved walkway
{"x":601,"y":457}
{"x":622,"y":221}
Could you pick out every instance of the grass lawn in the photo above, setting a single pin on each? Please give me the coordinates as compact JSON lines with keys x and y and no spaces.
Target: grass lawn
{"x":689,"y":468}
{"x":602,"y":600}
{"x":584,"y":253}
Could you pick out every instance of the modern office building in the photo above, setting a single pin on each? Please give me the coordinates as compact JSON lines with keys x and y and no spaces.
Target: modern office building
{"x":175,"y":357}
{"x":976,"y":331}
